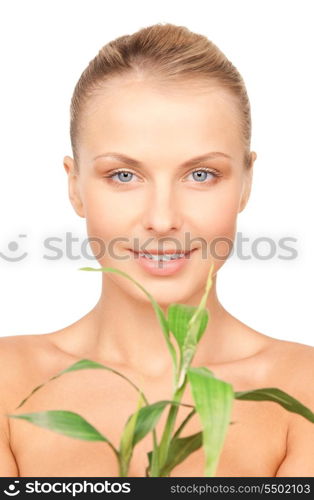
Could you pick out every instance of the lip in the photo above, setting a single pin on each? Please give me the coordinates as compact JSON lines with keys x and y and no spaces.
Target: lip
{"x":166,"y":252}
{"x":160,"y":268}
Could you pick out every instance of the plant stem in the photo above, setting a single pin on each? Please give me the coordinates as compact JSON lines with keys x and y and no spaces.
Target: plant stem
{"x":185,"y":421}
{"x":155,"y":458}
{"x":166,"y":437}
{"x":123,"y":468}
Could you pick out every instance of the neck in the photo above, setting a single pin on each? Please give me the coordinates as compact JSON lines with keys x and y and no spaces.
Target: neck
{"x":126,"y":331}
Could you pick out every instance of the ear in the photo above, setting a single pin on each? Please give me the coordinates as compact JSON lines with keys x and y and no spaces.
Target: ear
{"x":73,"y":186}
{"x":247,"y":183}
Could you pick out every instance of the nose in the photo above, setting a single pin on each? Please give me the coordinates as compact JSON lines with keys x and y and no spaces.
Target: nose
{"x":162,"y":211}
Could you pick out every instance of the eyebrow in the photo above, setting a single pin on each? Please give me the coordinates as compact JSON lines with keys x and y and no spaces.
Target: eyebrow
{"x":189,"y":163}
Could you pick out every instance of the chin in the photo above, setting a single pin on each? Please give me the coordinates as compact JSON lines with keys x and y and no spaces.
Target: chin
{"x":166,"y":293}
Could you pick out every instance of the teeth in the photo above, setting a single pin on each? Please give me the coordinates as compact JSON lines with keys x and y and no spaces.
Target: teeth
{"x":163,"y":257}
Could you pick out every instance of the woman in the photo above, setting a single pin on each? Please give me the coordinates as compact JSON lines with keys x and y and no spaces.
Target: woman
{"x":160,"y":132}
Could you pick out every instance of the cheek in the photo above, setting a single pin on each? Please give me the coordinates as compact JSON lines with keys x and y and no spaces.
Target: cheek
{"x":106,"y":212}
{"x":107,"y":220}
{"x":217,"y":216}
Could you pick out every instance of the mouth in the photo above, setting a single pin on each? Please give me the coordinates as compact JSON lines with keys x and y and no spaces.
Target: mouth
{"x":168,"y":255}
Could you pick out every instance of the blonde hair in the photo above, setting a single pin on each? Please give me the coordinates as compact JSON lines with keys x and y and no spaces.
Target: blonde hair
{"x":165,"y":54}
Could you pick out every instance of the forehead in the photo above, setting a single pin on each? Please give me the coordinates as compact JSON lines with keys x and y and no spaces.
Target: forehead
{"x":136,"y":117}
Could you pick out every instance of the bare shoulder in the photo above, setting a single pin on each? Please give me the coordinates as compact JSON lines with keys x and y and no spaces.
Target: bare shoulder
{"x":295,"y":373}
{"x":26,"y":360}
{"x":302,"y":357}
{"x":13,"y":355}
{"x":13,"y":361}
{"x":290,"y":365}
{"x":23,"y":348}
{"x":298,"y":370}
{"x":291,"y":358}
{"x":26,"y":346}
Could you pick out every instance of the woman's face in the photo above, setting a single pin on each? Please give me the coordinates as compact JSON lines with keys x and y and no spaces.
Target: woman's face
{"x":159,"y":203}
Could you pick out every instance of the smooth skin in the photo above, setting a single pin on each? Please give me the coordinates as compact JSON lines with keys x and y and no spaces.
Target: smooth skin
{"x":161,"y":200}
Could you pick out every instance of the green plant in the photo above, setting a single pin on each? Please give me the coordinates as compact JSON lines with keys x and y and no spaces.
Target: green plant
{"x":213,"y":399}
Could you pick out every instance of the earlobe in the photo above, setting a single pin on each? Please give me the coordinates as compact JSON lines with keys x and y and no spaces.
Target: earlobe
{"x":73,"y":186}
{"x":253,"y":158}
{"x":68,"y":164}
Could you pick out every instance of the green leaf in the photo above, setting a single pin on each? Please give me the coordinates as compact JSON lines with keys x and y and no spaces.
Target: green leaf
{"x":180,"y":449}
{"x":82,"y":364}
{"x":63,"y":422}
{"x":179,"y":316}
{"x":213,"y":400}
{"x":126,"y":442}
{"x":196,"y":326}
{"x":277,"y":396}
{"x":160,"y":315}
{"x":148,"y":418}
{"x":195,"y":329}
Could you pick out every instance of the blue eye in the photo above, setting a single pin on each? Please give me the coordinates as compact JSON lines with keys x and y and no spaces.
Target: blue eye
{"x":201,"y":177}
{"x":123,"y":174}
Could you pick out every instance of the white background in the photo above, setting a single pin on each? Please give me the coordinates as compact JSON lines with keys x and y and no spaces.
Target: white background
{"x":45,"y":46}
